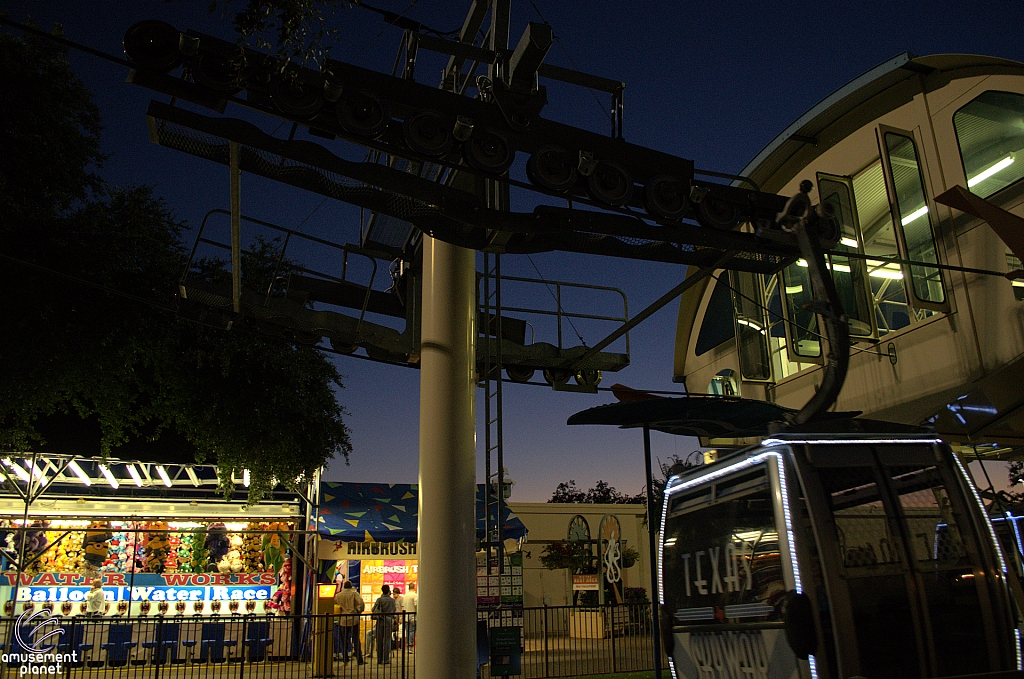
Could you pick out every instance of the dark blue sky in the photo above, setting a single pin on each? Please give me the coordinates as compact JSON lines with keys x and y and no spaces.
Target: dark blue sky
{"x":713,"y":82}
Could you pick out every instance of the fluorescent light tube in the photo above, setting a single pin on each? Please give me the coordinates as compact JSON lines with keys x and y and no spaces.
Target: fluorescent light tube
{"x":134,"y":473}
{"x":110,"y":477}
{"x":192,"y":475}
{"x":163,"y":475}
{"x":991,"y":170}
{"x":245,"y":477}
{"x":73,"y":466}
{"x":916,"y":214}
{"x":887,"y":273}
{"x":18,"y":470}
{"x":849,"y":242}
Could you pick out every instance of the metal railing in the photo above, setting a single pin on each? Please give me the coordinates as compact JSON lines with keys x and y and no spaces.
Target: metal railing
{"x":557,"y":642}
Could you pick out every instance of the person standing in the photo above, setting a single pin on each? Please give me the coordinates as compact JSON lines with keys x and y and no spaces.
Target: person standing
{"x":409,"y":606}
{"x":384,"y":615}
{"x":398,"y":630}
{"x":95,"y":603}
{"x":350,"y":606}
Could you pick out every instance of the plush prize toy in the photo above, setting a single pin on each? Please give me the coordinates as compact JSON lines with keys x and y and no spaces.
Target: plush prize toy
{"x":217,"y":544}
{"x":156,"y":547}
{"x":281,"y":602}
{"x":252,"y":553}
{"x":273,"y":549}
{"x":96,"y":545}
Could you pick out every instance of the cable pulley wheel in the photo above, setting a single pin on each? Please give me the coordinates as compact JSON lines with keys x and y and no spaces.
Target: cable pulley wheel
{"x":295,"y":96}
{"x":519,"y":373}
{"x":610,"y":184}
{"x":153,"y":45}
{"x":488,"y":152}
{"x":588,"y":378}
{"x":428,"y":133}
{"x":552,"y":168}
{"x":557,"y":377}
{"x":715,"y":213}
{"x":666,"y":197}
{"x":362,"y":114}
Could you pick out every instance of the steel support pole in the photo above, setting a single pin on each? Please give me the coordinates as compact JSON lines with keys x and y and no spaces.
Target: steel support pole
{"x":446,"y":614}
{"x":655,"y":619}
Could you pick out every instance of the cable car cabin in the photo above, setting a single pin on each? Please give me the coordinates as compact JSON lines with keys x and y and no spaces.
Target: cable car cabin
{"x":942,"y":346}
{"x":830,"y":559}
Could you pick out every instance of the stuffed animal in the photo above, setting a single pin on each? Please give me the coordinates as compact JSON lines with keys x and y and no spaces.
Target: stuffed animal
{"x":156,"y":547}
{"x":273,"y":549}
{"x":252,"y":552}
{"x":231,"y":563}
{"x":217,"y":544}
{"x":281,"y":602}
{"x":96,"y":545}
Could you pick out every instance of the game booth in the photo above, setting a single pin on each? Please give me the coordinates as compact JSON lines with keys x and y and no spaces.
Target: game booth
{"x":186,"y":571}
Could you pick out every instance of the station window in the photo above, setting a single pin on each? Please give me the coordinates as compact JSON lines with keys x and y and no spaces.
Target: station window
{"x":751,"y":326}
{"x":915,"y":220}
{"x":990,"y":132}
{"x":1013,"y":264}
{"x":717,"y":325}
{"x":879,"y":238}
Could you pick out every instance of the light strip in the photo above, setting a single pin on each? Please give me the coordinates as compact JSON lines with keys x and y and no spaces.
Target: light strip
{"x":732,"y":469}
{"x":886,"y":273}
{"x":134,"y":473}
{"x":110,"y":477}
{"x":73,"y":466}
{"x":849,"y":242}
{"x":915,"y":215}
{"x":966,"y":478}
{"x":18,"y":470}
{"x":245,"y":477}
{"x":192,"y":475}
{"x":1017,"y":284}
{"x":1016,"y":531}
{"x":991,"y":170}
{"x":163,"y":475}
{"x":786,"y":442}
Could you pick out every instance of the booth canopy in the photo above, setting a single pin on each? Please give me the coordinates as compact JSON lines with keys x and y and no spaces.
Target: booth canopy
{"x":388,"y":512}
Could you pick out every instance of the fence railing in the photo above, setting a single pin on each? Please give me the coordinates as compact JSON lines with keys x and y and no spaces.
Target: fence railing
{"x":557,"y":642}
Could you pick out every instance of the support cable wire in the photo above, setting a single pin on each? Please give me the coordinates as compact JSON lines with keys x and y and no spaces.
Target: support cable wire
{"x":573,"y":62}
{"x":395,"y":18}
{"x":558,"y":304}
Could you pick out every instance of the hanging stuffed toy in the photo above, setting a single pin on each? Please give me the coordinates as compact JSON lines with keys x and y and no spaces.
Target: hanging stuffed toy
{"x":273,"y":549}
{"x":200,"y":554}
{"x":217,"y":544}
{"x":96,"y":545}
{"x":35,"y":542}
{"x":281,"y":602}
{"x":252,"y":552}
{"x":156,"y":547}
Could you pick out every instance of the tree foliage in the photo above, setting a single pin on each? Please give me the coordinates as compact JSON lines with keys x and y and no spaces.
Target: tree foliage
{"x":298,"y":30}
{"x":90,"y":273}
{"x":604,"y":493}
{"x":601,"y":493}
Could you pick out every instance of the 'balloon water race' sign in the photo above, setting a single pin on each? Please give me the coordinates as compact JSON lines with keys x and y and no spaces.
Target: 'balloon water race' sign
{"x":60,"y":587}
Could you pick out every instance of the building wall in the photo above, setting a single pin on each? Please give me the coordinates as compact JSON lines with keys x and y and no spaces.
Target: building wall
{"x":549,"y":522}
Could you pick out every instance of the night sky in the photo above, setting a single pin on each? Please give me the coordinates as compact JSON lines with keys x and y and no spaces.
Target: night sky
{"x":712,"y":82}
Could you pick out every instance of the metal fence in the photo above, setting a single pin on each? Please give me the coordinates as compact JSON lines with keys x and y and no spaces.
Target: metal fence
{"x":557,"y":642}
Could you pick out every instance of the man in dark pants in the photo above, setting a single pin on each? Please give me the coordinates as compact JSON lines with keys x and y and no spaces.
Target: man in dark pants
{"x":384,"y":616}
{"x":350,"y":606}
